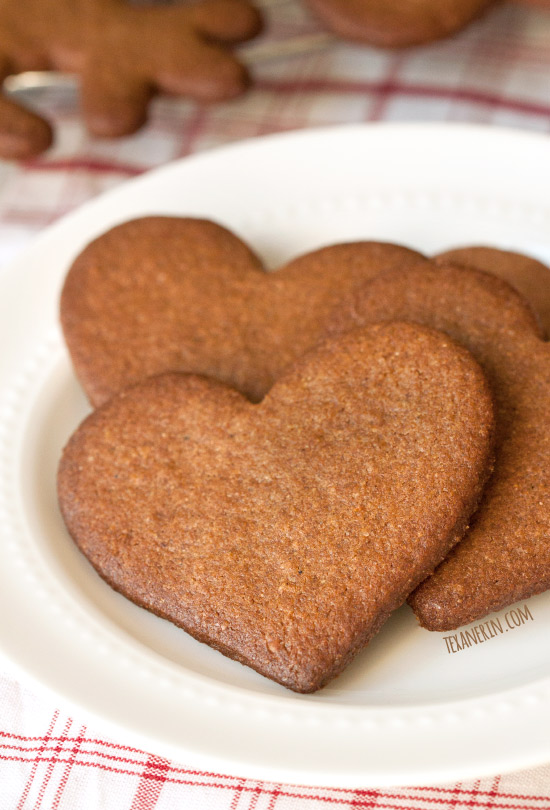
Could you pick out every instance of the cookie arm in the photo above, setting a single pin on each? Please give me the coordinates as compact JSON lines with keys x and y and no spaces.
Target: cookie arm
{"x":206,"y":72}
{"x":196,"y":62}
{"x":226,"y":20}
{"x":23,"y":133}
{"x":113,"y":105}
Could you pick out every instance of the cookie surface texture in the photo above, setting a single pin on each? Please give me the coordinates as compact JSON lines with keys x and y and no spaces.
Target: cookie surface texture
{"x":529,"y":276}
{"x":505,"y":555}
{"x":174,"y":294}
{"x":283,"y":534}
{"x":123,"y":54}
{"x":397,"y":23}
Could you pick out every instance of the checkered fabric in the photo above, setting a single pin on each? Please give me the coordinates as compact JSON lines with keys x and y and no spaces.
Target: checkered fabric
{"x":495,"y":72}
{"x":49,"y":761}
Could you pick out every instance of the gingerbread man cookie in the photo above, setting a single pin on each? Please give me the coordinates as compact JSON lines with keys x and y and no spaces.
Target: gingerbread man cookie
{"x":397,"y":23}
{"x":123,"y":54}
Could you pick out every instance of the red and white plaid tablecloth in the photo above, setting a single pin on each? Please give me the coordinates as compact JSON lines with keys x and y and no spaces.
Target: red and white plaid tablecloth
{"x":495,"y":72}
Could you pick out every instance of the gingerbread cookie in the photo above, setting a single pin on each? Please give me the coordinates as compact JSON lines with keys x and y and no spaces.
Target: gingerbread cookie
{"x":123,"y":54}
{"x":272,"y":532}
{"x":505,"y":555}
{"x":395,"y":23}
{"x":174,"y":294}
{"x":544,"y":4}
{"x":529,"y":276}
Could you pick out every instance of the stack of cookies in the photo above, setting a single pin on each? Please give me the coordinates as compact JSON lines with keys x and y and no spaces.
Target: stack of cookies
{"x":277,"y":461}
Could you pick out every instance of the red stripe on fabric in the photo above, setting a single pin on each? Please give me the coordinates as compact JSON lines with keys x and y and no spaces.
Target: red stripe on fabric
{"x":32,"y":774}
{"x":103,"y":754}
{"x":256,"y":793}
{"x":237,"y":794}
{"x":290,"y":793}
{"x":493,"y":793}
{"x":175,"y":769}
{"x":382,"y":98}
{"x":90,"y":741}
{"x":86,"y":165}
{"x":361,"y":797}
{"x":400,"y":88}
{"x":370,"y":799}
{"x":275,"y":793}
{"x":33,"y":219}
{"x":68,"y":768}
{"x":50,"y":769}
{"x":454,"y":798}
{"x":150,"y":785}
{"x":468,"y":792}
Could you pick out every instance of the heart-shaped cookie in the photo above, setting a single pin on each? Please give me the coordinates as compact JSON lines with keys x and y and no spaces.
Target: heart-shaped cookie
{"x":284,"y":534}
{"x":174,"y":294}
{"x":505,"y":555}
{"x":529,"y":276}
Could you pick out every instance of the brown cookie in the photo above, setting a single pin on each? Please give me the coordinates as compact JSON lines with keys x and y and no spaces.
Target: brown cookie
{"x":529,"y":276}
{"x":123,"y":54}
{"x":544,"y":4}
{"x":283,"y":534}
{"x":174,"y":294}
{"x":505,"y":555}
{"x":396,"y":23}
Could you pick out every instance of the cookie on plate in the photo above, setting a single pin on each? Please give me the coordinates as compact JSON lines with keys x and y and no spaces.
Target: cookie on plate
{"x":178,"y":294}
{"x":505,"y":555}
{"x":529,"y":276}
{"x":273,"y":531}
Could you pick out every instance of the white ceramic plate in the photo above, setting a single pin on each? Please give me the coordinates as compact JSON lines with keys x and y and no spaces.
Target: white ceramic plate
{"x":413,"y":708}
